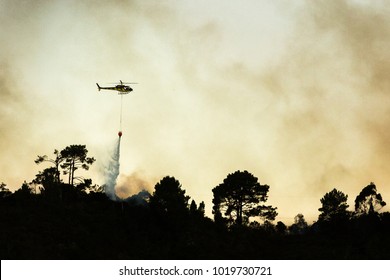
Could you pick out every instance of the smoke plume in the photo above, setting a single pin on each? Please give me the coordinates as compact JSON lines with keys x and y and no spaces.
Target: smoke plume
{"x":296,"y":92}
{"x":132,"y":184}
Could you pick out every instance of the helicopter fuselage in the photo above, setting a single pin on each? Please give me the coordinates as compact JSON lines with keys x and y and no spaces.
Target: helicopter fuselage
{"x":121,"y":89}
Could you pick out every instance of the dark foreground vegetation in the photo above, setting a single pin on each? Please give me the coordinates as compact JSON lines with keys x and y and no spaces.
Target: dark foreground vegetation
{"x":50,"y":219}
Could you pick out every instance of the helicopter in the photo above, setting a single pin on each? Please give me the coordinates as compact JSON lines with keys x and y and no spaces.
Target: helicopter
{"x":121,"y":88}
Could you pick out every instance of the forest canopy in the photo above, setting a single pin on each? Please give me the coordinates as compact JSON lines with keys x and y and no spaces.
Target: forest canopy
{"x":50,"y":218}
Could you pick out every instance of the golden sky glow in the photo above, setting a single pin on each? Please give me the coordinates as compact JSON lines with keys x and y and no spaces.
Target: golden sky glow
{"x":296,"y":93}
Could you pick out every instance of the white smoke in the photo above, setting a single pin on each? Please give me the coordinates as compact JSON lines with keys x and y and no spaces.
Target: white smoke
{"x":112,"y":172}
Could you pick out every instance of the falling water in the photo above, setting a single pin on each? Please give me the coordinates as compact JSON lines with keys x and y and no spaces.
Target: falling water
{"x":112,"y":171}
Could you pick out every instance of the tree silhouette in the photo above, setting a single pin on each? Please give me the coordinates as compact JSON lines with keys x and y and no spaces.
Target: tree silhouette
{"x":24,"y":192}
{"x":334,"y":206}
{"x":56,"y":161}
{"x":368,"y":201}
{"x":4,"y":191}
{"x":139,"y":199}
{"x":281,"y":227}
{"x":50,"y":186}
{"x":238,"y":198}
{"x":170,"y":214}
{"x":75,"y":157}
{"x":87,"y":187}
{"x":197,"y":211}
{"x":169,"y":198}
{"x":299,"y":226}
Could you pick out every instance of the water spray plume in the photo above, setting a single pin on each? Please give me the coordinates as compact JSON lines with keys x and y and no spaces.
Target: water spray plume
{"x":112,"y":171}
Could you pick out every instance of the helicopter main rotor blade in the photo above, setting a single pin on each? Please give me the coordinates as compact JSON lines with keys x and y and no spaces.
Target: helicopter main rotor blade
{"x":123,"y":83}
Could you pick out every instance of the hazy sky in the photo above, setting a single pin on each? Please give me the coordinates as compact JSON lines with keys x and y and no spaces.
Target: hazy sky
{"x":295,"y":92}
